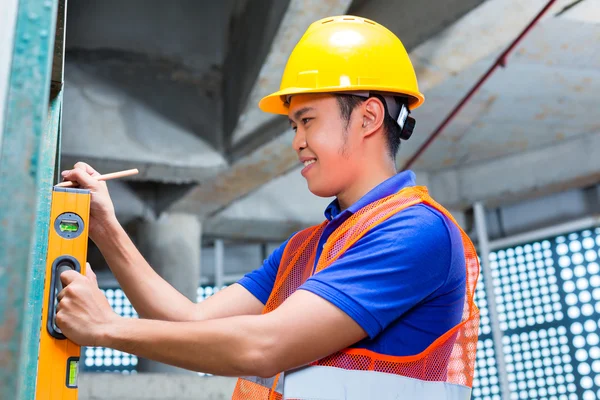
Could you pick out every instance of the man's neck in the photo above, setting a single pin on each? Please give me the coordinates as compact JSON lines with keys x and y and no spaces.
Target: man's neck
{"x":363,"y":185}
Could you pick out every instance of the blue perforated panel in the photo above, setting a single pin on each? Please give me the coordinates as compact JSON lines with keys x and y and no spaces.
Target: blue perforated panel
{"x":547,"y":295}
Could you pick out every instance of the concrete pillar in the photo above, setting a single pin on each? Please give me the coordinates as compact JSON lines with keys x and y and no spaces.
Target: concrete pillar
{"x":171,"y":245}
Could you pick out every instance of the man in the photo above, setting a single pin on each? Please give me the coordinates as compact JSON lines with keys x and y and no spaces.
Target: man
{"x":374,"y":303}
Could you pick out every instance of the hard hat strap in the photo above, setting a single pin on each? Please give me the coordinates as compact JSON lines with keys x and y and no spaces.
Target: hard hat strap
{"x":396,"y":109}
{"x":393,"y":105}
{"x":401,"y":114}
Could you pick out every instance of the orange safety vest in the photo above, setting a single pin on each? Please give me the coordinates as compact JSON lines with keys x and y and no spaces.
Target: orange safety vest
{"x":442,"y":371}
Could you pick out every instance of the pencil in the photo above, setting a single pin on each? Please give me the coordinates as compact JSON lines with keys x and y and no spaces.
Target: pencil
{"x":105,"y":177}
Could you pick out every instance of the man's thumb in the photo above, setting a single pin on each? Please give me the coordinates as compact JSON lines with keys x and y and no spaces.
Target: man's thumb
{"x":68,"y":277}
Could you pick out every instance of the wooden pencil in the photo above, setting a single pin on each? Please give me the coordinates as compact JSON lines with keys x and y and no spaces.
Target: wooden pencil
{"x":105,"y":177}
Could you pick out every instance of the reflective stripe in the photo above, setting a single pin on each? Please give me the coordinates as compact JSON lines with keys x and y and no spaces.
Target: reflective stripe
{"x":330,"y":383}
{"x":267,"y":382}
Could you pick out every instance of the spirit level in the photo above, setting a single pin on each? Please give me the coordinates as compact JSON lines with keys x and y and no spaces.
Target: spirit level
{"x":58,"y":361}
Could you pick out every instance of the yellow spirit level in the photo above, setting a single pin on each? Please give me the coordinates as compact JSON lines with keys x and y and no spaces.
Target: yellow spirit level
{"x":58,"y":361}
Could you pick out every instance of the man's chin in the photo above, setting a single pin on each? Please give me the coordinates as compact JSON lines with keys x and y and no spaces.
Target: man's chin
{"x":321,"y":190}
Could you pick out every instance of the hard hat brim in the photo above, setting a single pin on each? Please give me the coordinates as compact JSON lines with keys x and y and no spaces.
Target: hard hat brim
{"x":275,"y":102}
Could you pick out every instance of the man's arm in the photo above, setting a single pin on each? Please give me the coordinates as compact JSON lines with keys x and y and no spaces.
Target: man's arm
{"x":153,"y":297}
{"x":303,"y":329}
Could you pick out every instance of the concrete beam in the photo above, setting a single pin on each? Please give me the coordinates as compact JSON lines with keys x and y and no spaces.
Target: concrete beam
{"x":567,"y":165}
{"x":285,"y":198}
{"x":252,"y":32}
{"x":246,"y":175}
{"x":192,"y":32}
{"x":542,"y":212}
{"x":414,"y":22}
{"x":168,"y":56}
{"x":186,"y":97}
{"x":159,"y":196}
{"x":299,"y":15}
{"x":162,"y":172}
{"x":251,"y":230}
{"x":112,"y":130}
{"x":263,"y":134}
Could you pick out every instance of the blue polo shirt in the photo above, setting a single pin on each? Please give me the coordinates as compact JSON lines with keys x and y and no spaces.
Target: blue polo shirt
{"x":403,"y":282}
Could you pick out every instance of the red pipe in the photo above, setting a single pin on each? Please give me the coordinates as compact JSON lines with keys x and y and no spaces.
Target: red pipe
{"x":501,"y":61}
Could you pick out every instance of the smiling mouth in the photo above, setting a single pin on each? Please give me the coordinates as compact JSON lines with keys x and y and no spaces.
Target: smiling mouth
{"x":308,"y":162}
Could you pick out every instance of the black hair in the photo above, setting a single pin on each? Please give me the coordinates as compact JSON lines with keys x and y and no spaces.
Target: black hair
{"x":348,"y":102}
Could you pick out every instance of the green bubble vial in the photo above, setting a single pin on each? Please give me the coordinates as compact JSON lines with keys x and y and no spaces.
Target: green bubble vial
{"x":72,"y":378}
{"x":67,"y":225}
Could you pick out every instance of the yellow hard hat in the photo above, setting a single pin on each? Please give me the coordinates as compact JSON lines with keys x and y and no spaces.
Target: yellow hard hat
{"x":346,"y":54}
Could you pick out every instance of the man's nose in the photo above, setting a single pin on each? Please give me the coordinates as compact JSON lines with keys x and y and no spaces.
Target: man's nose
{"x":299,"y":141}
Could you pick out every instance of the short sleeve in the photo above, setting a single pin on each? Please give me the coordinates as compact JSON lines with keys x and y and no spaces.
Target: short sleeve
{"x":396,"y":266}
{"x":260,"y":281}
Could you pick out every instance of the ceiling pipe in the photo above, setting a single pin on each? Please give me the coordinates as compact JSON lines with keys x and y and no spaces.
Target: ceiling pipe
{"x":500,"y":62}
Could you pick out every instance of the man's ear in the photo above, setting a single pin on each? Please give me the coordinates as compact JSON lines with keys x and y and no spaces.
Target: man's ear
{"x":373,"y":115}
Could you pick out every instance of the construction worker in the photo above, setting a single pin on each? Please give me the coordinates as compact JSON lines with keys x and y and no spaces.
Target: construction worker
{"x":374,"y":303}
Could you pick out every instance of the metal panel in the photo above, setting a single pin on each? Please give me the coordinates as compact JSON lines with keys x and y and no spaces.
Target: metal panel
{"x":26,"y":171}
{"x":36,"y":274}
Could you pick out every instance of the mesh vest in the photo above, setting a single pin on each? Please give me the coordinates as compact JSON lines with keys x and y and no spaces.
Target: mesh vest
{"x":444,"y":370}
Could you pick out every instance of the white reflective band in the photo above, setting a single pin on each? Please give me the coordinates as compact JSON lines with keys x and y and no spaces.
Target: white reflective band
{"x":267,"y":382}
{"x":329,"y":383}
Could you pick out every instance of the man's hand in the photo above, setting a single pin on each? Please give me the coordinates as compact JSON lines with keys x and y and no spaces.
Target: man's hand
{"x":102,"y":211}
{"x":84,"y":315}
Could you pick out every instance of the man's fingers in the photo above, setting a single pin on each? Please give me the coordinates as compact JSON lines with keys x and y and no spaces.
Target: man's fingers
{"x":87,"y":168}
{"x":58,"y":306}
{"x":69,"y":276}
{"x":75,"y":175}
{"x":82,"y":177}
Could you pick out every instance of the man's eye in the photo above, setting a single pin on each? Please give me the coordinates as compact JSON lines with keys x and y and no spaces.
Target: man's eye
{"x":294,"y":128}
{"x":305,"y":120}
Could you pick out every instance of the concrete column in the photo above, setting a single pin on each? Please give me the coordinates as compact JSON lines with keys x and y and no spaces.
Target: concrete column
{"x":171,"y":245}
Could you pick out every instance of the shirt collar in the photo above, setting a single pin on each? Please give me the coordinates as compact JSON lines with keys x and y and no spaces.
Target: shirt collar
{"x":386,"y":188}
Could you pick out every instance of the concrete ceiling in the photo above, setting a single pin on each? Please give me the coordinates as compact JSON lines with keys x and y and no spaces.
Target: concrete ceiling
{"x":172,"y":90}
{"x":545,"y":95}
{"x":274,"y":157}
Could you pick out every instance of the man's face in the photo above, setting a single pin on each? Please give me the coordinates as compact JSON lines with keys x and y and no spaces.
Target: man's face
{"x":323,"y":142}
